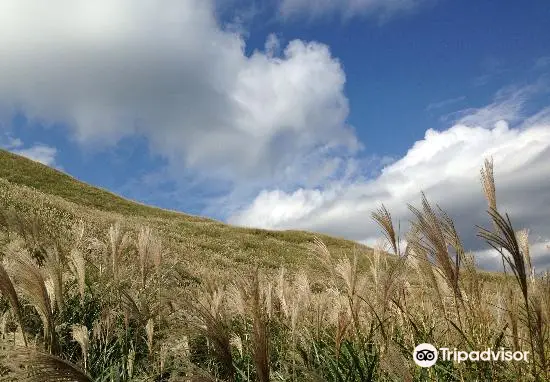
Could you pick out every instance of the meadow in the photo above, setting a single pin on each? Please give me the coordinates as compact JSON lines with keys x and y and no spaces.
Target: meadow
{"x":98,"y":288}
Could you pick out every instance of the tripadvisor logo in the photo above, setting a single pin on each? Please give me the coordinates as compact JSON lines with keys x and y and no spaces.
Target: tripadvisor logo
{"x":426,"y":355}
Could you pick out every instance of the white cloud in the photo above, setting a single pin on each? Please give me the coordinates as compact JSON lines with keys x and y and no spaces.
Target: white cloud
{"x":168,"y":71}
{"x":445,"y":164}
{"x":39,"y":153}
{"x":539,"y":251}
{"x":12,"y":143}
{"x":444,"y":103}
{"x":348,"y":8}
{"x":508,"y":105}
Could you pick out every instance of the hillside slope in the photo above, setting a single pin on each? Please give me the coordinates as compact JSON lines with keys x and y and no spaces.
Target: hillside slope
{"x":194,"y":309}
{"x":25,"y":172}
{"x":35,"y":189}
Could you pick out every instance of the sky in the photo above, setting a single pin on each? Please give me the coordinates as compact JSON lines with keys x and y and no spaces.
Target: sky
{"x":289,"y":114}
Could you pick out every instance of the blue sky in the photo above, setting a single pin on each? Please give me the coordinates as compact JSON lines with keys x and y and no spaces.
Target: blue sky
{"x":287,"y":113}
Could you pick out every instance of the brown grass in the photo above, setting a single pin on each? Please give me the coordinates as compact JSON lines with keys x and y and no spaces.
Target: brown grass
{"x":158,"y":298}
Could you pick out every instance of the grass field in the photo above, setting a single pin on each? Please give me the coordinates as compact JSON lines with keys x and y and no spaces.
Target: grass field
{"x":61,"y":198}
{"x":97,"y":287}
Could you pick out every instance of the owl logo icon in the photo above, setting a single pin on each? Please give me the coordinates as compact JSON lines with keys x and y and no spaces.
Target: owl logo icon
{"x":425,"y":355}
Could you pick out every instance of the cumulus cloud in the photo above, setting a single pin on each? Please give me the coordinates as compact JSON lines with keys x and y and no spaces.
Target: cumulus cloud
{"x":167,"y":71}
{"x":445,"y":165}
{"x":348,"y":8}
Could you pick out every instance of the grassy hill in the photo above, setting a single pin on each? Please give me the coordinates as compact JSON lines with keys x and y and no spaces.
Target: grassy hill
{"x":22,"y":171}
{"x":32,"y":187}
{"x":119,"y":304}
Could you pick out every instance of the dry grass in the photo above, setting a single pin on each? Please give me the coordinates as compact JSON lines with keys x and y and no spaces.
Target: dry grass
{"x":32,"y":365}
{"x":134,"y":297}
{"x":47,"y":200}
